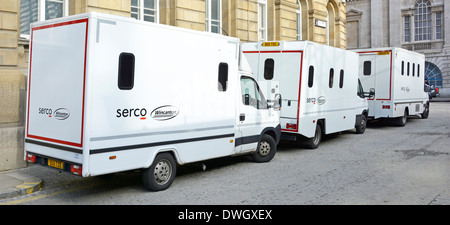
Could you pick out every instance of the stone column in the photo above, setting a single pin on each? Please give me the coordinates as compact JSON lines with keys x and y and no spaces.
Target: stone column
{"x":12,"y":88}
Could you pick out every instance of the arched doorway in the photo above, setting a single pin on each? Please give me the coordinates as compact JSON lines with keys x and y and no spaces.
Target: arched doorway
{"x":433,"y":74}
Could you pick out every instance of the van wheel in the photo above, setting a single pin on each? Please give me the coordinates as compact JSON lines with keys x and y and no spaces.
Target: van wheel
{"x":160,"y":175}
{"x":401,"y":121}
{"x":426,"y":112}
{"x":314,"y":142}
{"x":266,"y":149}
{"x":361,"y":126}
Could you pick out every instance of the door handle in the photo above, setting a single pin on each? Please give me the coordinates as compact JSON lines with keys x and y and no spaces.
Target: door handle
{"x":242,"y":117}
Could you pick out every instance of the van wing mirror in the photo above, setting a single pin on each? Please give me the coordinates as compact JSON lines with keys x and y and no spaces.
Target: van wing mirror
{"x":277,"y":102}
{"x":371,"y":93}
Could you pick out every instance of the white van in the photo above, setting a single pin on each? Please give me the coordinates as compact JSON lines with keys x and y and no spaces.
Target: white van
{"x":109,"y":94}
{"x":319,"y":85}
{"x":398,"y":76}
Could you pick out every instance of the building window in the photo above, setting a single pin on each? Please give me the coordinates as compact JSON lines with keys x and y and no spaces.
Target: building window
{"x":214,"y":16}
{"x":439,"y":25}
{"x":422,"y":20}
{"x":433,"y":74}
{"x":39,"y":10}
{"x":146,"y":10}
{"x":407,"y":28}
{"x":299,"y":22}
{"x":328,"y":28}
{"x":262,"y":20}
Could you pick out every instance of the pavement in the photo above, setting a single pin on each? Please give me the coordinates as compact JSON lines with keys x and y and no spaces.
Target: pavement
{"x":14,"y":183}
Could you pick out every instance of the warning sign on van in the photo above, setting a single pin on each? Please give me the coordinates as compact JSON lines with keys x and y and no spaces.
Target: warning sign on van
{"x":384,"y":53}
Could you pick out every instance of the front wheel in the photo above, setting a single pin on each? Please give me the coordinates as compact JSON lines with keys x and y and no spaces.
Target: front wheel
{"x":160,"y":175}
{"x":426,"y":112}
{"x":361,"y":125}
{"x":266,"y":149}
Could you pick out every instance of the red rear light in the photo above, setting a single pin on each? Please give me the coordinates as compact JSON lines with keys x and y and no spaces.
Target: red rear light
{"x":291,"y":126}
{"x":437,"y":89}
{"x":31,"y":158}
{"x":76,"y":169}
{"x":386,"y":106}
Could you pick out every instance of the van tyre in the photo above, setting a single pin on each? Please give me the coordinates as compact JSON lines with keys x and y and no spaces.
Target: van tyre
{"x":426,"y":112}
{"x":266,"y":149}
{"x":160,"y":175}
{"x":314,"y":142}
{"x":401,"y":121}
{"x":361,"y":125}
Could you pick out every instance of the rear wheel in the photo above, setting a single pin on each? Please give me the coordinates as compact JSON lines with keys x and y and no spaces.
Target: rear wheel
{"x":314,"y":142}
{"x":266,"y":149}
{"x":160,"y":175}
{"x":401,"y":121}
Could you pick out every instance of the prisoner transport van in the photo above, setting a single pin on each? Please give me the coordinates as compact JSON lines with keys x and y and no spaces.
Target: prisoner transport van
{"x":319,"y":85}
{"x":109,"y":94}
{"x":398,"y":78}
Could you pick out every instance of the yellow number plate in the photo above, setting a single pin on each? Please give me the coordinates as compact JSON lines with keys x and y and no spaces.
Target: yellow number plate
{"x":384,"y":53}
{"x":56,"y":164}
{"x":271,"y":44}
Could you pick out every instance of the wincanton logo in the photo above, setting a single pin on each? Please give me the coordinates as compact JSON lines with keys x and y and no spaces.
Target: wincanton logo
{"x":61,"y":114}
{"x":166,"y":112}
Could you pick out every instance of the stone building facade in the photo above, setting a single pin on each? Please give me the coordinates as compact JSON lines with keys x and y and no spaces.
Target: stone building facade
{"x":417,"y":25}
{"x":322,"y":21}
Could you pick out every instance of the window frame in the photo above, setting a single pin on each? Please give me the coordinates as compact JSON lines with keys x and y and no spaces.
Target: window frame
{"x":262,"y":20}
{"x":42,"y":14}
{"x":141,"y":15}
{"x":208,"y":18}
{"x":422,"y":27}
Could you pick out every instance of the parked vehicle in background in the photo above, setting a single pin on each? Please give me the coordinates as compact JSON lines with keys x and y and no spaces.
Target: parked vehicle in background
{"x":397,"y":75}
{"x":319,"y":85}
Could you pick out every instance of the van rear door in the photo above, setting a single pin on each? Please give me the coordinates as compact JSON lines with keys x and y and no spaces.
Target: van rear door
{"x":56,"y":88}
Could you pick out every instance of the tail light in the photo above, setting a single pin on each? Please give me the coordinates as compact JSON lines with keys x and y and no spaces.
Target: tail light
{"x":76,"y":169}
{"x":31,"y":158}
{"x":386,"y":106}
{"x":291,"y":126}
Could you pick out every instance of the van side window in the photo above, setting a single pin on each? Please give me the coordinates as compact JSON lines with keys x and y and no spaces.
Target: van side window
{"x":126,"y":71}
{"x":269,"y":66}
{"x":311,"y":76}
{"x":367,"y":68}
{"x":330,"y":82}
{"x":251,"y":94}
{"x":341,"y":79}
{"x":418,"y":70}
{"x":223,"y":77}
{"x":403,"y":67}
{"x":407,"y":69}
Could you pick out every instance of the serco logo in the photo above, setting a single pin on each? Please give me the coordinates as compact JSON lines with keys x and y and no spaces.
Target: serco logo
{"x":166,"y":112}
